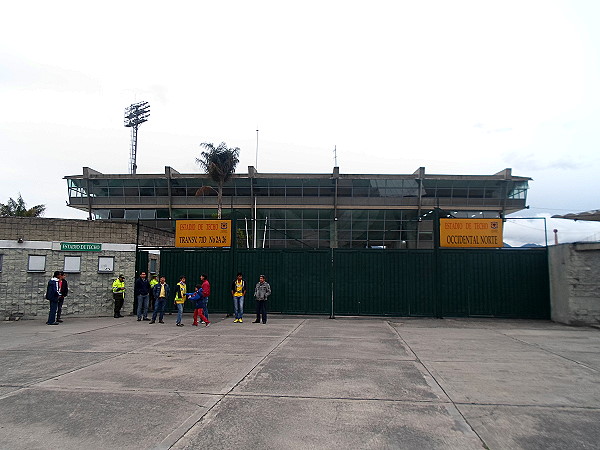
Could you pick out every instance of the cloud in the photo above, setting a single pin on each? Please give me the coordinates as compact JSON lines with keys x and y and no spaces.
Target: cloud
{"x":22,"y":74}
{"x":533,"y":162}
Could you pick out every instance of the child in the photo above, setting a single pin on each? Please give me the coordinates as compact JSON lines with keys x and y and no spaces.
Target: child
{"x":196,"y":296}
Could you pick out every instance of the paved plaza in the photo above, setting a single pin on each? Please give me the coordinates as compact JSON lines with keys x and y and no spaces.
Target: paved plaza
{"x":299,"y":382}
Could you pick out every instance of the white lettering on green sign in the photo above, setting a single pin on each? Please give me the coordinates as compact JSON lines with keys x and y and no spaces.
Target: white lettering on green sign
{"x":80,"y":247}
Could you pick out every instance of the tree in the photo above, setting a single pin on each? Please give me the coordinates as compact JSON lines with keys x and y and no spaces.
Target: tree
{"x":219,"y":163}
{"x":18,"y":208}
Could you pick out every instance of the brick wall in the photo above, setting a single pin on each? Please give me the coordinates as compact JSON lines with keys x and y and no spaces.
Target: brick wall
{"x":22,"y":292}
{"x":575,"y":283}
{"x":67,"y":230}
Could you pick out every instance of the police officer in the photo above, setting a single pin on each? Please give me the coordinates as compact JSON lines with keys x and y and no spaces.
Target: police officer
{"x":118,"y":290}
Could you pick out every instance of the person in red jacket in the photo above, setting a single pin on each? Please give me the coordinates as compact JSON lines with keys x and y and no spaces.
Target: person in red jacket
{"x":205,"y":293}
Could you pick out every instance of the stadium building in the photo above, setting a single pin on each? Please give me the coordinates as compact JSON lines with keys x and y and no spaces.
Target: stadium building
{"x":284,"y":210}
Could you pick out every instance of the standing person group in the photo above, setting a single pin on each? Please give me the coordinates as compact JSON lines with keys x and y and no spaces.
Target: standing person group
{"x":57,"y":290}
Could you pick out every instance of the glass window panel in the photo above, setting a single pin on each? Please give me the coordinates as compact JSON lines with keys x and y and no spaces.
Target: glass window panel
{"x":36,"y":263}
{"x":131,"y":192}
{"x":106,"y":264}
{"x":132,"y":214}
{"x":310,"y":191}
{"x":147,"y":214}
{"x":276,"y":191}
{"x":292,"y":191}
{"x":72,"y":264}
{"x":115,"y":192}
{"x":101,"y":213}
{"x":360,"y":192}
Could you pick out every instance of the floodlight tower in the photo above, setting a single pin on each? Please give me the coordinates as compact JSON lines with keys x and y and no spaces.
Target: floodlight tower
{"x":135,"y":115}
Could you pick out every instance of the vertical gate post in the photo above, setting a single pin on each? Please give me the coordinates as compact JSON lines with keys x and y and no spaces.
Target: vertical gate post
{"x":437,"y":289}
{"x":232,"y":250}
{"x":332,"y":284}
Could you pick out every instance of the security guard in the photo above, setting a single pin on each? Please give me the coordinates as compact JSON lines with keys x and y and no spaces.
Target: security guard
{"x":118,"y":290}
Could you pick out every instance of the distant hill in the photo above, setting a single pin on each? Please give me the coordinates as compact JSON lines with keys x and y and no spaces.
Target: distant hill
{"x":524,"y":245}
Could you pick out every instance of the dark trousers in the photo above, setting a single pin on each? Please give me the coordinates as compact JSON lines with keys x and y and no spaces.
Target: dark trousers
{"x":52,"y":314}
{"x":261,"y":310}
{"x":61,"y":300}
{"x":159,"y":307}
{"x":118,"y":303}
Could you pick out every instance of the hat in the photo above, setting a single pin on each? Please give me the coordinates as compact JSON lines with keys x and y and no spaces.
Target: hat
{"x":121,"y":276}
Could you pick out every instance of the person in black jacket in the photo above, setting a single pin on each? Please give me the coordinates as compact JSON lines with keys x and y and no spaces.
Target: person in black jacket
{"x":52,"y":295}
{"x":141,"y":291}
{"x":63,"y":290}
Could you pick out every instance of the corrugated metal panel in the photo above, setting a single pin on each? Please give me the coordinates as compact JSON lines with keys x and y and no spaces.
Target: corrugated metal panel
{"x":216,"y":264}
{"x":494,"y":283}
{"x":444,"y":282}
{"x":383,"y":282}
{"x":300,"y":280}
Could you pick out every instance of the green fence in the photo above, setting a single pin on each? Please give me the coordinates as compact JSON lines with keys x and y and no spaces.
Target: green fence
{"x":433,"y":283}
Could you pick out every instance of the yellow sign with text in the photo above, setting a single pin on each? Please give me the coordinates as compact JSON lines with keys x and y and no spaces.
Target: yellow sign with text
{"x":471,"y":233}
{"x":203,"y":233}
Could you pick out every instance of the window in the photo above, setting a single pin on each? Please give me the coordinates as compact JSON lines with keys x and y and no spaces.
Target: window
{"x":106,"y":264}
{"x":72,"y":264}
{"x":1,"y":258}
{"x":36,"y":263}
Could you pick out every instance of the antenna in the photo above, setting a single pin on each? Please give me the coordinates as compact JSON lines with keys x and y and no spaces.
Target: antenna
{"x":135,"y":115}
{"x":256,"y":162}
{"x":335,"y":156}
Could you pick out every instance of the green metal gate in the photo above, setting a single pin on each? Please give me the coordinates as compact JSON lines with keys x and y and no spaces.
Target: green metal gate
{"x":300,"y":280}
{"x":433,"y":283}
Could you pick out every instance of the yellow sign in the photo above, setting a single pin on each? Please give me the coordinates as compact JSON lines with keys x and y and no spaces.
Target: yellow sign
{"x":203,"y":233}
{"x":471,"y":233}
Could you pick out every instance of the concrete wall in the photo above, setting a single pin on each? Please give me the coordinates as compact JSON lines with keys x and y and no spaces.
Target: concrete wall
{"x":22,"y":291}
{"x":575,"y":283}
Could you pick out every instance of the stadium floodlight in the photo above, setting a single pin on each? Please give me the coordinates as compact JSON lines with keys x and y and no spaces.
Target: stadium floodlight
{"x":135,"y":115}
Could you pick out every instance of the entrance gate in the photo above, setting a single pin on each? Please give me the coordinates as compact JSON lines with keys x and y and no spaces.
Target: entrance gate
{"x":511,"y":283}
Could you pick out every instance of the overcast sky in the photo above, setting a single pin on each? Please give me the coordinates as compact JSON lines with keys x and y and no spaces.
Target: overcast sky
{"x":459,"y":87}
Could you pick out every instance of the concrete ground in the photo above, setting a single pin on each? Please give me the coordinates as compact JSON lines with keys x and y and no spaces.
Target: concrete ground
{"x":299,"y":382}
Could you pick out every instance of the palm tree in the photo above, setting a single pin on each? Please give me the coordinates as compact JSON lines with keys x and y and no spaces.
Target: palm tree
{"x":18,"y":208}
{"x":219,"y":163}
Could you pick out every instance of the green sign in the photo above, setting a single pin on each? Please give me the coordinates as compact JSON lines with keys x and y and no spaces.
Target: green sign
{"x":80,"y":247}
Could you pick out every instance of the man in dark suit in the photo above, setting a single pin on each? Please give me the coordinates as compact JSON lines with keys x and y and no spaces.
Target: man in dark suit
{"x":52,"y":295}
